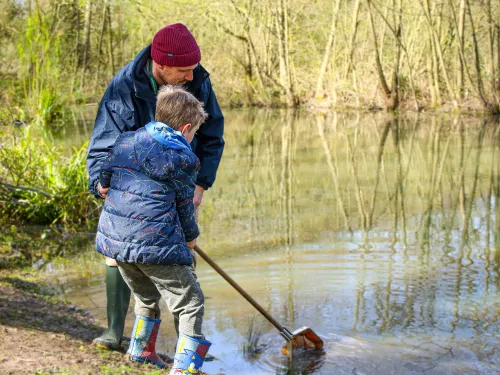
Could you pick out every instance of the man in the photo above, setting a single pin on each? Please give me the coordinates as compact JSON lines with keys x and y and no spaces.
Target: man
{"x":129,"y":103}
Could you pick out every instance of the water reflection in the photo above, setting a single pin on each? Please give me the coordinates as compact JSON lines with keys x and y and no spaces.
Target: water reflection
{"x":304,"y":362}
{"x":381,"y":233}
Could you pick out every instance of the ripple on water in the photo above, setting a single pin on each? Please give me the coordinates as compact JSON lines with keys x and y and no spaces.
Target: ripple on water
{"x":416,"y":292}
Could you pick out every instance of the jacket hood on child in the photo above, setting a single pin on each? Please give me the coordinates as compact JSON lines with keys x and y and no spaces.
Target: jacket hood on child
{"x":167,"y":136}
{"x":148,"y":214}
{"x":163,"y":165}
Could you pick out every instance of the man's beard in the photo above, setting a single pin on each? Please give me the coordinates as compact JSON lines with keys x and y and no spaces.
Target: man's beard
{"x":164,"y":79}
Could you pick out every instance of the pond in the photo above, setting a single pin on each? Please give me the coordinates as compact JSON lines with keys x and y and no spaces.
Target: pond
{"x":380,"y":233}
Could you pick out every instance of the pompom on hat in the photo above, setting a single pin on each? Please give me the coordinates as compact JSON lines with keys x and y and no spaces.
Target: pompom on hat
{"x":174,"y":45}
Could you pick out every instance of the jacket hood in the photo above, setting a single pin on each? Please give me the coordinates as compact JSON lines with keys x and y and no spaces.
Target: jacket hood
{"x":167,"y":136}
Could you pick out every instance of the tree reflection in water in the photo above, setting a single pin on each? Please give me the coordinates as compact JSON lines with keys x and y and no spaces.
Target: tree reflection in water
{"x":382,"y":233}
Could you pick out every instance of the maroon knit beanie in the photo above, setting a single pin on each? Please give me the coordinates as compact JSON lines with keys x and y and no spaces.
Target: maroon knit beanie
{"x":174,"y":45}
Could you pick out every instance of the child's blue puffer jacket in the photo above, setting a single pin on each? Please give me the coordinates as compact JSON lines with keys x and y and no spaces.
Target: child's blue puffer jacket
{"x":148,"y":214}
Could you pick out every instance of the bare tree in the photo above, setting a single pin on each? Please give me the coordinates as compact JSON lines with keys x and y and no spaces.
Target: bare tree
{"x":491,"y":42}
{"x":461,"y":28}
{"x":286,"y":80}
{"x":352,"y":39}
{"x":328,"y":50}
{"x":398,"y":15}
{"x":498,"y":61}
{"x":86,"y":33}
{"x":477,"y":59}
{"x":425,"y":5}
{"x":110,"y":38}
{"x":378,"y":62}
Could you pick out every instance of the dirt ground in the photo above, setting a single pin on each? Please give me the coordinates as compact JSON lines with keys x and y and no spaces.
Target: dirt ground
{"x":41,"y":335}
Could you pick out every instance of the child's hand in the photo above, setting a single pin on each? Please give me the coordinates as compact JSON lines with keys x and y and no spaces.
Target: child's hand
{"x":198,"y":195}
{"x":102,"y":191}
{"x":191,"y":244}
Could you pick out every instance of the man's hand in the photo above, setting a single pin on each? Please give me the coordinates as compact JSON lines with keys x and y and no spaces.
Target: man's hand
{"x":198,"y":195}
{"x":191,"y":244}
{"x":102,"y":191}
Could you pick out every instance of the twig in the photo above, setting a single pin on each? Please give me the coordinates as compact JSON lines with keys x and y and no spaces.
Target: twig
{"x":27,"y":188}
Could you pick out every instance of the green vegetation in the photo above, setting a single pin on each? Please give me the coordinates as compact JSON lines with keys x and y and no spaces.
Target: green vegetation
{"x":356,"y":53}
{"x":252,"y":347}
{"x":58,"y":55}
{"x":22,"y":246}
{"x":41,"y":185}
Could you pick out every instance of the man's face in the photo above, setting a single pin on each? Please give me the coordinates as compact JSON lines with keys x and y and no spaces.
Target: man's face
{"x":176,"y":75}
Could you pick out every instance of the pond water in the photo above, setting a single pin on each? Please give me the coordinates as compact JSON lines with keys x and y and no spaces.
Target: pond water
{"x":382,"y":234}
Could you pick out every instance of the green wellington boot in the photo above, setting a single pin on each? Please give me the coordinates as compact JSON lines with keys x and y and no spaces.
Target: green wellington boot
{"x":118,"y":294}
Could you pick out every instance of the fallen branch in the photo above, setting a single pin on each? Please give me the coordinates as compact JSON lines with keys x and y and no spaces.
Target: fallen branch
{"x":26,"y":188}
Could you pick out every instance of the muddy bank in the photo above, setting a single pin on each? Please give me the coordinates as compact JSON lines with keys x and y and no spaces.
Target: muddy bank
{"x":40,"y":334}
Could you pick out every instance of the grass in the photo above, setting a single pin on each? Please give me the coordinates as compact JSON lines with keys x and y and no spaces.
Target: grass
{"x":22,"y":247}
{"x":41,"y":184}
{"x":252,"y":347}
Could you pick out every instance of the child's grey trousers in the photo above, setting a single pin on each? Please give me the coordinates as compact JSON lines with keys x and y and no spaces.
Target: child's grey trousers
{"x":176,"y":284}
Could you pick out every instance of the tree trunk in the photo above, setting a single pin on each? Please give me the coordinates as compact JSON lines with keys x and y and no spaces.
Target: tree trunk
{"x":394,"y":98}
{"x":461,"y":28}
{"x":99,"y":45}
{"x":289,"y":65}
{"x":352,"y":41}
{"x":378,"y":63}
{"x":477,"y":60}
{"x":269,"y":43}
{"x":77,"y":37}
{"x":86,"y":32}
{"x":103,"y":29}
{"x":491,"y":43}
{"x":396,"y":30}
{"x":384,"y":27}
{"x":328,"y":50}
{"x":281,"y":59}
{"x":430,"y":78}
{"x":438,"y":48}
{"x":76,"y":53}
{"x":435,"y":70}
{"x":439,"y":11}
{"x":252,"y":63}
{"x":110,"y":40}
{"x":498,"y":60}
{"x":282,"y":34}
{"x":120,"y":36}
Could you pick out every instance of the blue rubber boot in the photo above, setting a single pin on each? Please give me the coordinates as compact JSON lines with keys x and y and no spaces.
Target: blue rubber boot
{"x":143,"y":341}
{"x":189,"y":356}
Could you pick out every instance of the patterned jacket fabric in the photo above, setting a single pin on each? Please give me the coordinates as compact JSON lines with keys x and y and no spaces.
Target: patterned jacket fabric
{"x":148,"y":214}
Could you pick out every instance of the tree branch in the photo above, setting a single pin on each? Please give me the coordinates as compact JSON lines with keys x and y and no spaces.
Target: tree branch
{"x":26,"y":188}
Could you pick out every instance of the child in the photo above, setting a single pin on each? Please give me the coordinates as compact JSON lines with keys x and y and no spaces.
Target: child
{"x":148,"y":226}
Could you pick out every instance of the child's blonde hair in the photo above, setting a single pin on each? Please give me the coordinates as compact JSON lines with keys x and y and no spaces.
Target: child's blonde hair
{"x":176,"y":107}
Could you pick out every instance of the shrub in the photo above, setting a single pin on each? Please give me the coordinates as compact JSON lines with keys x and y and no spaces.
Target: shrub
{"x":40,"y":184}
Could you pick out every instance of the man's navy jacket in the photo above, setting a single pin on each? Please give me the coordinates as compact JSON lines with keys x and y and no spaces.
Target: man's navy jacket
{"x":129,"y":103}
